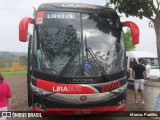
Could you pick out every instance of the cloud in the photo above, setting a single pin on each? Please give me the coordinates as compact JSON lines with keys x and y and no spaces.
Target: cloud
{"x":13,"y":11}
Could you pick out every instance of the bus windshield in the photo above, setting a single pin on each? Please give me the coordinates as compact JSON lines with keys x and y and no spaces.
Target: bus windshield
{"x":61,"y":38}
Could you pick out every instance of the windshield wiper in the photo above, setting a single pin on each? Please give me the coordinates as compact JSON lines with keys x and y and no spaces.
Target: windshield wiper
{"x":69,"y":62}
{"x":89,"y":50}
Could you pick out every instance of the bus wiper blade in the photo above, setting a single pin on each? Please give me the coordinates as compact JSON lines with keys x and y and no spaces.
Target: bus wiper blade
{"x":69,"y":62}
{"x":89,"y":50}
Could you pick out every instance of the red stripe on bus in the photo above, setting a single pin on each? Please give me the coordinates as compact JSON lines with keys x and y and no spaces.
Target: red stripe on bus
{"x":80,"y":111}
{"x":64,"y":88}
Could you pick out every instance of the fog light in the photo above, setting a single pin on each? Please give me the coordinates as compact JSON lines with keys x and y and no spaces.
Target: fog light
{"x":120,"y":103}
{"x":40,"y":106}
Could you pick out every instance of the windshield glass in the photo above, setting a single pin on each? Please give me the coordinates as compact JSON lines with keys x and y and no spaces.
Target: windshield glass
{"x":103,"y":34}
{"x":153,"y":62}
{"x":60,"y":45}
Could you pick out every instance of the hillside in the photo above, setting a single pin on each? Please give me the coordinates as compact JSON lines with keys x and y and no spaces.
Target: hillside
{"x":9,"y":57}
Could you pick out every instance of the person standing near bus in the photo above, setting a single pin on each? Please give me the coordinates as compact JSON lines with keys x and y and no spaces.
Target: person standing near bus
{"x":139,"y":73}
{"x":5,"y":95}
{"x":148,"y":70}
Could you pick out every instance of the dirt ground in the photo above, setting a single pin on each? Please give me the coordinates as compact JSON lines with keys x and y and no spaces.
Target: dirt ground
{"x":19,"y":103}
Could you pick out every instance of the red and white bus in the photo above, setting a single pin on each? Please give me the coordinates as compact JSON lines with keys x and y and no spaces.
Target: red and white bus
{"x":76,"y":59}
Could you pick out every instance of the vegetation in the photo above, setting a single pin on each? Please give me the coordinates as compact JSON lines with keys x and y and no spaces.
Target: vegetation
{"x":128,"y":41}
{"x":6,"y":58}
{"x":34,"y":12}
{"x":141,"y":8}
{"x":13,"y":61}
{"x":17,"y":73}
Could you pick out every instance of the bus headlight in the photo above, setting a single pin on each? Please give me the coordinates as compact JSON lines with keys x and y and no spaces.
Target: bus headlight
{"x":40,"y":91}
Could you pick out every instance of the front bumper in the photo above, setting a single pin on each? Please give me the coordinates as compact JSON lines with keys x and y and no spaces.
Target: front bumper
{"x":52,"y":112}
{"x":49,"y":106}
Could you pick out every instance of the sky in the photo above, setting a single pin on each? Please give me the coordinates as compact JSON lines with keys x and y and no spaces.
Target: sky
{"x":13,"y":11}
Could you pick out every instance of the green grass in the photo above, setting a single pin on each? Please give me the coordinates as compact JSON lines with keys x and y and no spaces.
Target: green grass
{"x":16,"y":73}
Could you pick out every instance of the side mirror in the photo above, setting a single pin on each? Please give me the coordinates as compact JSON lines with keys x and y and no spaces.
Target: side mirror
{"x":23,"y":28}
{"x":134,"y":31}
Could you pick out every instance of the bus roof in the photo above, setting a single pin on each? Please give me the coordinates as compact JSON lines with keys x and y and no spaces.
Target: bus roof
{"x":79,"y":7}
{"x":140,"y":54}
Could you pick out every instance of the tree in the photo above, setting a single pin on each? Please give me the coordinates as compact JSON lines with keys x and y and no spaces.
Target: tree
{"x":141,"y":8}
{"x":128,"y":42}
{"x":23,"y":60}
{"x":2,"y":64}
{"x":34,"y":12}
